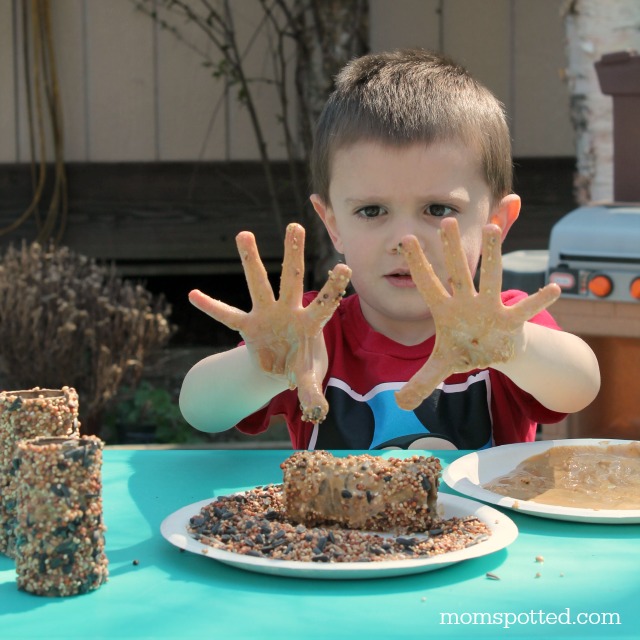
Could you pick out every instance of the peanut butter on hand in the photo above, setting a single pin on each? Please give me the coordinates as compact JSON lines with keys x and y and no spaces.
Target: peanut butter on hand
{"x":283,"y":336}
{"x":474,"y":329}
{"x":587,"y":477}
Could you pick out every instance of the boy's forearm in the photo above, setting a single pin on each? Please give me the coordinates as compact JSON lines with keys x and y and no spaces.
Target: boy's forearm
{"x":558,"y":369}
{"x":224,"y":388}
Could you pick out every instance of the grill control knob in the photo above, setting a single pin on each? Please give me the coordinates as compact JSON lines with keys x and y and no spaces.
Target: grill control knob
{"x":634,"y":289}
{"x":600,"y":285}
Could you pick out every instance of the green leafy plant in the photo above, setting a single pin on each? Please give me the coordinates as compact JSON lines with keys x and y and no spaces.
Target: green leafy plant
{"x":147,"y":413}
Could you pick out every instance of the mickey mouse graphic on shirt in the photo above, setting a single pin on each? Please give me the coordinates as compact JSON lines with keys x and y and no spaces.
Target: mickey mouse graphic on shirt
{"x":454,"y":416}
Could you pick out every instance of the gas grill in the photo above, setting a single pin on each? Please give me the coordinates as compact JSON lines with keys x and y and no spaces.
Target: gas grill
{"x":594,"y":253}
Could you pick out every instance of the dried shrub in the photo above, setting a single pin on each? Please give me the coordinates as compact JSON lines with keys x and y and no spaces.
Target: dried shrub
{"x":66,"y":320}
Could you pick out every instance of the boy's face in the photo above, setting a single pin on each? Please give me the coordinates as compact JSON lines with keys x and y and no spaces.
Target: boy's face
{"x":381,"y":193}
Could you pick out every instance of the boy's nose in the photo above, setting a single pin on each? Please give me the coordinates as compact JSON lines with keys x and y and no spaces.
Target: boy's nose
{"x":405,"y":224}
{"x":396,"y":242}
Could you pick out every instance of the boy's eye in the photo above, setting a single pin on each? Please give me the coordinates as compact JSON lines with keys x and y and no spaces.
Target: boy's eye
{"x":370,"y":211}
{"x":439,"y":210}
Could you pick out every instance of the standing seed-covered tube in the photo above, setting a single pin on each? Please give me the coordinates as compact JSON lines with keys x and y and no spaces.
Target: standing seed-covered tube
{"x":28,"y":414}
{"x":60,"y":530}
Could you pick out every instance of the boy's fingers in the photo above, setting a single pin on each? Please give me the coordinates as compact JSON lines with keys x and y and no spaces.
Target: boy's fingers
{"x":328,"y":299}
{"x":312,"y":401}
{"x":528,"y":307}
{"x":228,"y":315}
{"x":455,"y":259}
{"x":257,"y":280}
{"x":422,"y":272}
{"x":422,"y":384}
{"x":307,"y":376}
{"x":291,"y":281}
{"x":491,"y":268}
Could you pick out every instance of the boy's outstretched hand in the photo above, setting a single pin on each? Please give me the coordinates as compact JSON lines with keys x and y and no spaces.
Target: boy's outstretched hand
{"x":473,"y":329}
{"x":284,"y":337}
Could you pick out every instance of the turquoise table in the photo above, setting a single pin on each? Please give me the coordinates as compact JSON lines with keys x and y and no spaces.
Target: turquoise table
{"x":591,"y":573}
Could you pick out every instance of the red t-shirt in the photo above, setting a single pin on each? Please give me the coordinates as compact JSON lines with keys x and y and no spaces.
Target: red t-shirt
{"x":472,"y":410}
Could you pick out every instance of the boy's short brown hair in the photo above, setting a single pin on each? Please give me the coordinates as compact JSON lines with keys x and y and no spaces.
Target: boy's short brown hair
{"x":409,"y":96}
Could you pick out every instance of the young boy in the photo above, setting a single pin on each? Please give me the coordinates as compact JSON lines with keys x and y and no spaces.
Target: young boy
{"x":412,"y":178}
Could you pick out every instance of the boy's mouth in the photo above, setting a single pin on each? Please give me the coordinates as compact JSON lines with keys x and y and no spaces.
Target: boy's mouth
{"x":400,"y":278}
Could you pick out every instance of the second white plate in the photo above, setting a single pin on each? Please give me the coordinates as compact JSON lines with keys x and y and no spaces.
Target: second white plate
{"x":467,"y":475}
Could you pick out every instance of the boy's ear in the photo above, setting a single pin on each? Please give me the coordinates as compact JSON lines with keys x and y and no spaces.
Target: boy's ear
{"x":329,"y":220}
{"x":506,"y":213}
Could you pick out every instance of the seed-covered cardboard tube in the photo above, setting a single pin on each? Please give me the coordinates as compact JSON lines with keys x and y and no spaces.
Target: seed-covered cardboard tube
{"x":60,"y":530}
{"x":361,"y":492}
{"x":28,"y":414}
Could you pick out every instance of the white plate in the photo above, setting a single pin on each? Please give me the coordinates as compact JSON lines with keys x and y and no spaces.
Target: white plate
{"x":503,"y":533}
{"x":467,"y":474}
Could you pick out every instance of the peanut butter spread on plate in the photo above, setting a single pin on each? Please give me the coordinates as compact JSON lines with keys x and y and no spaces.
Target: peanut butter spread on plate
{"x":587,"y":477}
